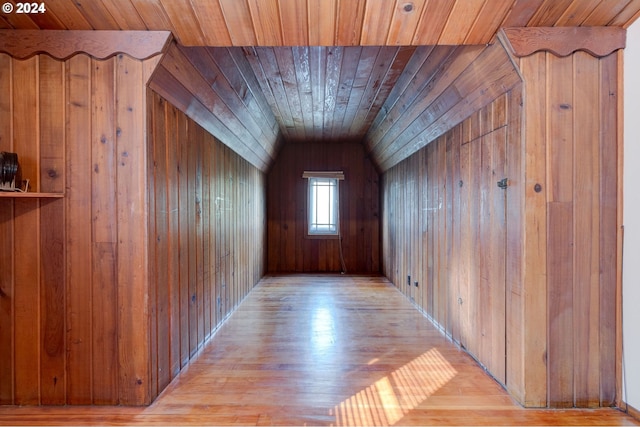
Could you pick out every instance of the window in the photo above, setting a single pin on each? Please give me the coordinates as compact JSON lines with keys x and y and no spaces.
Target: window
{"x":323,"y":201}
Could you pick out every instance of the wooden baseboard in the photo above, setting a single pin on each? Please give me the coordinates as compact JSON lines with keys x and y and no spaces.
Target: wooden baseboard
{"x":635,"y":413}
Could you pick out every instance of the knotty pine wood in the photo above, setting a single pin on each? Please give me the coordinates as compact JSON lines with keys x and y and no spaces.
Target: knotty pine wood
{"x":326,"y":350}
{"x":458,"y":227}
{"x":198,"y":81}
{"x":289,"y":250}
{"x":207,"y":222}
{"x":563,"y":41}
{"x":326,"y":23}
{"x":558,"y":180}
{"x":63,"y":257}
{"x":76,"y":282}
{"x":445,"y":90}
{"x":580,"y":165}
{"x":101,"y":45}
{"x":589,"y":292}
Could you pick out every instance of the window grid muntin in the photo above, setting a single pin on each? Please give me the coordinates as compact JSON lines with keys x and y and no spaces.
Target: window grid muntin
{"x":323,"y":214}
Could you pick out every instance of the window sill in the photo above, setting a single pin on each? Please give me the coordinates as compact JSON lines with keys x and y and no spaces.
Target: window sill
{"x":322,"y":236}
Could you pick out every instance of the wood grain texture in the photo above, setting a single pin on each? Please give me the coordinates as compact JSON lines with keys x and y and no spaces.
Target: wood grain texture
{"x":573,"y":186}
{"x":100,"y":44}
{"x":462,"y":214}
{"x":289,"y":249}
{"x":65,"y":312}
{"x":326,"y":23}
{"x":205,"y":199}
{"x":326,"y":350}
{"x":207,"y":96}
{"x":563,"y":41}
{"x":445,"y":95}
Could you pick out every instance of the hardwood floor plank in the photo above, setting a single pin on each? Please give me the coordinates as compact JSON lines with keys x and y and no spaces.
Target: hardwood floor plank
{"x":325,"y":350}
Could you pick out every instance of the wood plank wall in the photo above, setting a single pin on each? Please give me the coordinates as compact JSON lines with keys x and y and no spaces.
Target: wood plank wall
{"x":524,"y":279}
{"x":288,"y":248}
{"x":444,"y":230}
{"x":571,"y":110}
{"x":207,"y":236}
{"x":73,"y":271}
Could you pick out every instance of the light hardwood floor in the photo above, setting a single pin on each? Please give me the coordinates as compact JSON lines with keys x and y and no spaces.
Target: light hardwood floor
{"x":325,"y":350}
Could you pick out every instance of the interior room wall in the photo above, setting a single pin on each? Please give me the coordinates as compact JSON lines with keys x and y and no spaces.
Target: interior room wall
{"x":289,"y":249}
{"x":207,"y":236}
{"x":631,"y":221}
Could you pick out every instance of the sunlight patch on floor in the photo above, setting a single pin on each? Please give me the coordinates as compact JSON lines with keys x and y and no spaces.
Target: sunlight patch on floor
{"x":390,"y":398}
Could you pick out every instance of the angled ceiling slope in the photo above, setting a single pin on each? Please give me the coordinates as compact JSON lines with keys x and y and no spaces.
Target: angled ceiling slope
{"x":347,"y":79}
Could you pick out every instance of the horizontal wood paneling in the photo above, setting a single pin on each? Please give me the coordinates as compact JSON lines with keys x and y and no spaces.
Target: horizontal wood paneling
{"x":449,"y":85}
{"x":207,"y":236}
{"x":73,"y":333}
{"x":215,"y":90}
{"x":288,"y":248}
{"x":326,"y":23}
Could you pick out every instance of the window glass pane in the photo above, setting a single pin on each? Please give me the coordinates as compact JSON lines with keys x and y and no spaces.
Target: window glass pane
{"x":323,"y":206}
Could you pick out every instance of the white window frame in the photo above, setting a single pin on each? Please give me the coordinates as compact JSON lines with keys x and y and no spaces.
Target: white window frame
{"x":317,"y":183}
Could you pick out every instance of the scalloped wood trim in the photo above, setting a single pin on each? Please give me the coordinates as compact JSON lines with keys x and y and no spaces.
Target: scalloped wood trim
{"x":22,"y":44}
{"x":563,"y":41}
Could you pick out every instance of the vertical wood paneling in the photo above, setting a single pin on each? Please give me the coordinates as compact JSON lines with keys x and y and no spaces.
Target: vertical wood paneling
{"x":200,"y":190}
{"x":52,"y":280}
{"x":289,"y":249}
{"x":171,"y":122}
{"x":132,"y":209}
{"x":535,"y":231}
{"x":27,"y":267}
{"x":26,"y":305}
{"x":6,"y":242}
{"x":104,"y":252}
{"x":575,"y":250}
{"x":587,"y":231}
{"x":548,"y":254}
{"x":78,"y":200}
{"x":67,"y":254}
{"x":461,"y":251}
{"x":609,"y":261}
{"x":158,"y":271}
{"x":182,"y":167}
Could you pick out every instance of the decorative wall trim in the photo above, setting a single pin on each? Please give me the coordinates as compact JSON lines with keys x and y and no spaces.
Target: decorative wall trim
{"x":563,"y":41}
{"x":22,"y":44}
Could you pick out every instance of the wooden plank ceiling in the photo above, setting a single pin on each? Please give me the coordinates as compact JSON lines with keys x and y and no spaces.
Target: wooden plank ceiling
{"x":326,"y":69}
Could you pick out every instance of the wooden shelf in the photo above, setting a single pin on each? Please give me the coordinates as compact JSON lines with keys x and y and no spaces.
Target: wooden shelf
{"x":18,"y":195}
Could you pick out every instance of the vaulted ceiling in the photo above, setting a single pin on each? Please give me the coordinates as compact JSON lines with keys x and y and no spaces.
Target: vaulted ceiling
{"x":257,"y":73}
